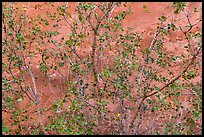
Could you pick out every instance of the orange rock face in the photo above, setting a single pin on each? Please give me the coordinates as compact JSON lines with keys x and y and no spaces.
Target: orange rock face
{"x":143,"y":20}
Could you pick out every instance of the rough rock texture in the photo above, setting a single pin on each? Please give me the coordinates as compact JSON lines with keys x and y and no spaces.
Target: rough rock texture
{"x":52,"y":88}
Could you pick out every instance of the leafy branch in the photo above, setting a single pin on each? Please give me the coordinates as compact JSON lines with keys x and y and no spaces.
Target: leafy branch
{"x":162,"y":88}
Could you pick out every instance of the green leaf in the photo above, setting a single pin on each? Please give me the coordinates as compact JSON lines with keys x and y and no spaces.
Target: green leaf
{"x":157,"y":107}
{"x":177,"y":81}
{"x":85,"y":123}
{"x":19,"y":36}
{"x":61,"y":64}
{"x":74,"y":83}
{"x":46,"y":22}
{"x":69,"y":42}
{"x":176,"y":11}
{"x":191,"y":74}
{"x":173,"y":26}
{"x":25,"y":41}
{"x":5,"y":129}
{"x":156,"y":88}
{"x":100,"y":103}
{"x":117,"y":83}
{"x":144,"y":108}
{"x":125,"y":44}
{"x":123,"y":87}
{"x":80,"y":17}
{"x":163,"y":79}
{"x":144,"y":6}
{"x":19,"y":100}
{"x":162,"y":18}
{"x":179,"y":6}
{"x":196,"y":9}
{"x":54,"y":107}
{"x":55,"y":67}
{"x":74,"y":89}
{"x":10,"y":33}
{"x":43,"y":68}
{"x":146,"y":10}
{"x":178,"y":93}
{"x":169,"y":26}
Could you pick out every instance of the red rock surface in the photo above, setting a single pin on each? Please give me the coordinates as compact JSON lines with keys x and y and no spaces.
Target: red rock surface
{"x":142,"y":22}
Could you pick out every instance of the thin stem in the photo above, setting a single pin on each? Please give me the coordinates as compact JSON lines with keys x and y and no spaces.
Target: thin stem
{"x":162,"y":88}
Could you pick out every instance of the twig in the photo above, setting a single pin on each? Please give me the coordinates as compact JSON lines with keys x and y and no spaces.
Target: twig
{"x":24,"y":16}
{"x":19,"y":83}
{"x":92,"y":27}
{"x":191,"y":61}
{"x":190,"y":27}
{"x":75,"y":52}
{"x":104,"y":15}
{"x":151,"y":94}
{"x":151,"y":47}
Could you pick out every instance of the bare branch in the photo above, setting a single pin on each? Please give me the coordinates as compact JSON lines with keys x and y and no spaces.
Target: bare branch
{"x":34,"y":82}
